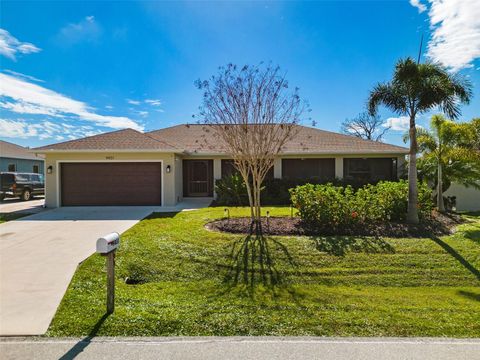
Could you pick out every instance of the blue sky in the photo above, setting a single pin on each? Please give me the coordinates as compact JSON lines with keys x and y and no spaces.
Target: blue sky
{"x":71,"y":69}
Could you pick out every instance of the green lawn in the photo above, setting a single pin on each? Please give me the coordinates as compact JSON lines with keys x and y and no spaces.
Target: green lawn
{"x":197,"y":282}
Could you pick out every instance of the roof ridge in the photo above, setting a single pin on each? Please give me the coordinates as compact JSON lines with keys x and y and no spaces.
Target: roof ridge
{"x":160,"y":141}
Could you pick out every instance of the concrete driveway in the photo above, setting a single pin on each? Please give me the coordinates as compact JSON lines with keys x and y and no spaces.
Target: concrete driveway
{"x":39,"y":255}
{"x":10,"y":206}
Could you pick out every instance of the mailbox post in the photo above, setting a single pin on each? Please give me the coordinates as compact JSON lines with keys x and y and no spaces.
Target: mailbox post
{"x":107,"y":246}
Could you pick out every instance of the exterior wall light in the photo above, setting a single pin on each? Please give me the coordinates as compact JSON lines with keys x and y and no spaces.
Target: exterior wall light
{"x":49,"y":169}
{"x":168,"y":169}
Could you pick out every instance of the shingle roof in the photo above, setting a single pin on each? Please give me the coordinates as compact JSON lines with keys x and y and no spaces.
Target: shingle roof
{"x":200,"y":139}
{"x":127,"y":139}
{"x":9,"y":150}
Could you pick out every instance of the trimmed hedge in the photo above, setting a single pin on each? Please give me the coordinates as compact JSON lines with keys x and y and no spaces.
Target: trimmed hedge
{"x":333,"y":207}
{"x":231,"y":190}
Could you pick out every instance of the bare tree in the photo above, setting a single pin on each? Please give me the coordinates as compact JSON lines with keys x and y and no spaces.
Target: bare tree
{"x":253,"y":114}
{"x":365,"y":126}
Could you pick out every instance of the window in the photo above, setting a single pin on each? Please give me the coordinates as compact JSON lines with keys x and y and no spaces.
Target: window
{"x":7,"y":179}
{"x":22,"y":178}
{"x":11,"y":167}
{"x":370,"y":169}
{"x":228,"y":169}
{"x":317,"y":169}
{"x":35,"y":169}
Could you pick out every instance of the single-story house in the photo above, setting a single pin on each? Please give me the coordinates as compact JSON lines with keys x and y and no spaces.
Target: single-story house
{"x":161,"y":167}
{"x":16,"y":158}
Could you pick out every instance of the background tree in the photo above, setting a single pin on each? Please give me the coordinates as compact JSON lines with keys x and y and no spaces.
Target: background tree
{"x":471,"y":134}
{"x":415,"y":89}
{"x":447,"y":156}
{"x":365,"y":126}
{"x":253,"y":114}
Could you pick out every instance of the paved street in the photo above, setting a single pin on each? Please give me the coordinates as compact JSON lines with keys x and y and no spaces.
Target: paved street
{"x":241,"y":348}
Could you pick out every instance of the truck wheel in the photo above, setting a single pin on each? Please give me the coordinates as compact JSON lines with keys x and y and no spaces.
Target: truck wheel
{"x":26,"y":195}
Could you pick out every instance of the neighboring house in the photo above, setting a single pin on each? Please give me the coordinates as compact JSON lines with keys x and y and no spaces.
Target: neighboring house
{"x":467,"y":199}
{"x":15,"y":158}
{"x":162,"y":167}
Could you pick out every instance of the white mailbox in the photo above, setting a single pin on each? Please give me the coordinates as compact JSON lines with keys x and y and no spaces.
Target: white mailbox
{"x":108,"y":243}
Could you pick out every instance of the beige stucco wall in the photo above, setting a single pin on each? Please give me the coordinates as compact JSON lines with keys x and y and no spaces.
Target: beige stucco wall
{"x":468,"y":199}
{"x":170,"y":189}
{"x":178,"y":174}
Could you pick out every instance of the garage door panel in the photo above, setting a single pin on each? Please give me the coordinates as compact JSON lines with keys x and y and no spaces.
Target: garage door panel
{"x":110,"y":184}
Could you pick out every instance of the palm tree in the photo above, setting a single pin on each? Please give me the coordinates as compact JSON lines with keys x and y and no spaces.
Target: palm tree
{"x":447,"y":155}
{"x":415,"y":89}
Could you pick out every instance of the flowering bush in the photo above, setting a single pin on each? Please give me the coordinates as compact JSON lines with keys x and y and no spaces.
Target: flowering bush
{"x":333,"y":207}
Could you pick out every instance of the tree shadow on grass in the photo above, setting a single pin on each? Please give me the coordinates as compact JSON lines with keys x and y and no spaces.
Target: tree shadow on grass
{"x":473,"y":235}
{"x":457,"y":256}
{"x":258,"y":260}
{"x":82,"y":344}
{"x":341,"y":245}
{"x":470,"y":295}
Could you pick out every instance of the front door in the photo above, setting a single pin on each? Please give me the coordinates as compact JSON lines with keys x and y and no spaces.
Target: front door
{"x":198,"y":178}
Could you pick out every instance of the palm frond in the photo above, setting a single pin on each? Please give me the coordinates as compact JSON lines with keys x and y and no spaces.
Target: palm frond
{"x":388,"y":95}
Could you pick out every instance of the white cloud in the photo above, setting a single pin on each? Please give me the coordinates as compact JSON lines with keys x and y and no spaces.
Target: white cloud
{"x":416,"y":3}
{"x":133,"y":102}
{"x":153,"y":102}
{"x":401,"y":123}
{"x":20,"y":75}
{"x":10,"y":46}
{"x":87,"y":29}
{"x":109,"y":107}
{"x":455,"y":40}
{"x":143,"y":113}
{"x":23,"y":97}
{"x":16,"y":129}
{"x":23,"y":129}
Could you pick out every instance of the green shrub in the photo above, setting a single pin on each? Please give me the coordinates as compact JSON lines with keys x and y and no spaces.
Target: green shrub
{"x":231,"y":190}
{"x":333,"y":207}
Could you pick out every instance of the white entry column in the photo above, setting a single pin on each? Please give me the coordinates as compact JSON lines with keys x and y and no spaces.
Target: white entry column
{"x":217,"y":173}
{"x":339,"y":167}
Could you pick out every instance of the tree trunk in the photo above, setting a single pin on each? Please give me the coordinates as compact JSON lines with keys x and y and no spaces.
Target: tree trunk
{"x":258,"y":215}
{"x":412,"y":214}
{"x":440,"y":204}
{"x":250,"y":198}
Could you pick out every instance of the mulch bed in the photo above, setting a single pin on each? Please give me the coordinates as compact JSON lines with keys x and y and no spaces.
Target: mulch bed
{"x":439,"y":224}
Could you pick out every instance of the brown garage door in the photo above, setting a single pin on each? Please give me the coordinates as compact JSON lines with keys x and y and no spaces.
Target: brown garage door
{"x":110,"y":183}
